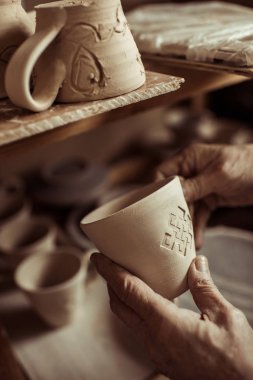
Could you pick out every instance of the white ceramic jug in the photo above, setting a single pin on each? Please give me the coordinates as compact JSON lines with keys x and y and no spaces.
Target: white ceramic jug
{"x":82,"y":50}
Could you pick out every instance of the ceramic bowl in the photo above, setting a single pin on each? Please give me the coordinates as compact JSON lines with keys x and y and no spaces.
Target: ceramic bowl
{"x":70,"y":172}
{"x":70,"y":183}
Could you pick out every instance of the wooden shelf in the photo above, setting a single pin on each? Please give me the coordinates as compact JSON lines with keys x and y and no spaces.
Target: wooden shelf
{"x":64,"y":120}
{"x":220,"y":68}
{"x":200,"y":78}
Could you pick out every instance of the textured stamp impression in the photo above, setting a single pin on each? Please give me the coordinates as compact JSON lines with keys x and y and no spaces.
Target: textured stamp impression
{"x":179,"y":236}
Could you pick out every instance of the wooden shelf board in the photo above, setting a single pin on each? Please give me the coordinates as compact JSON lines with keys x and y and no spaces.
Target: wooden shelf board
{"x":17,"y":124}
{"x":221,"y":68}
{"x":199,"y":78}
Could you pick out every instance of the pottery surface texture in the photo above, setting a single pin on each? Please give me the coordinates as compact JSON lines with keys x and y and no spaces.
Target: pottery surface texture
{"x":22,"y":238}
{"x":83,"y":50}
{"x":15,"y":27}
{"x":54,"y":284}
{"x":150,"y":233}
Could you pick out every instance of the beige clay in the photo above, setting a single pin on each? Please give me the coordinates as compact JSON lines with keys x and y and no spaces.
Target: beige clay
{"x":54,"y":284}
{"x":149,"y":232}
{"x":85,"y":51}
{"x":15,"y":27}
{"x":22,"y":238}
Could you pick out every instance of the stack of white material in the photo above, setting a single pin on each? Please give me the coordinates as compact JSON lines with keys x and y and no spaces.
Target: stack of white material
{"x":207,"y":32}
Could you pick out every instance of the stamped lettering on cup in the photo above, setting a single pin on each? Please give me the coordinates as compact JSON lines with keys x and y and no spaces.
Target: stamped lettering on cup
{"x":179,"y":237}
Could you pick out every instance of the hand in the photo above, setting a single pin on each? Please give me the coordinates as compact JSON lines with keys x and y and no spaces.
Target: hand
{"x":215,"y":175}
{"x":183,"y":344}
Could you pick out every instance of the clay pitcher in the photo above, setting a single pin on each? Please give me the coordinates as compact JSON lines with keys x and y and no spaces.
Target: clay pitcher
{"x":15,"y":27}
{"x":82,"y":50}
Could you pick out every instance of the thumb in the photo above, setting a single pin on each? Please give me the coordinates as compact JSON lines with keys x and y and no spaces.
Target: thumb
{"x":207,"y":297}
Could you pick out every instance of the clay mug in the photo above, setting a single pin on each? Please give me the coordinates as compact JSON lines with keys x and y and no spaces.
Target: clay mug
{"x":149,"y":232}
{"x":82,"y":50}
{"x":15,"y":27}
{"x":23,"y":238}
{"x":54,"y":283}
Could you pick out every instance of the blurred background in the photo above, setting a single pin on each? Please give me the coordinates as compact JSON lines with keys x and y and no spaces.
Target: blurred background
{"x":64,"y":181}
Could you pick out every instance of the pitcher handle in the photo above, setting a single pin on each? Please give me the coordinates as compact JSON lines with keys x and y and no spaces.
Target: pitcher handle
{"x":20,"y":68}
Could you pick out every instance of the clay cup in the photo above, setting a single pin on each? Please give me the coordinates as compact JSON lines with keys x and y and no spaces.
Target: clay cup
{"x":54,"y":284}
{"x":149,"y":232}
{"x":24,"y":237}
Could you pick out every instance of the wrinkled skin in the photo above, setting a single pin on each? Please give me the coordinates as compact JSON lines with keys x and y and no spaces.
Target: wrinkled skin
{"x":214,"y":176}
{"x":218,"y":344}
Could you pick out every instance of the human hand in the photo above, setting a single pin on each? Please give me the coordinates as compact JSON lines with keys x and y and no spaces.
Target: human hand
{"x":215,"y":176}
{"x":218,"y":344}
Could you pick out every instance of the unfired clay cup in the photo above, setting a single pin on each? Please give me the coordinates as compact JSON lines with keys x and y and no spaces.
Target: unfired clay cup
{"x":149,"y":232}
{"x":54,"y":284}
{"x":23,"y":238}
{"x":16,"y":211}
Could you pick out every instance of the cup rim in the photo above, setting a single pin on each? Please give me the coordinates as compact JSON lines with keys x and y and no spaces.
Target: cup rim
{"x":38,"y":220}
{"x":59,"y":252}
{"x":23,"y":207}
{"x":169,"y":182}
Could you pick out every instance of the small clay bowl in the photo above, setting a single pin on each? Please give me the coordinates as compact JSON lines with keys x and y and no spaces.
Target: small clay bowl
{"x":23,"y":238}
{"x":69,"y":172}
{"x":54,"y":284}
{"x":72,"y":192}
{"x":73,"y":229}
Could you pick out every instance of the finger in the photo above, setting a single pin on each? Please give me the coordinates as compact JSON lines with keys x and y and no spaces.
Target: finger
{"x":192,"y":210}
{"x":203,"y":212}
{"x":173,"y":166}
{"x":184,"y":163}
{"x":205,"y":294}
{"x":201,"y":217}
{"x":123,"y":312}
{"x":199,"y":187}
{"x":131,"y":290}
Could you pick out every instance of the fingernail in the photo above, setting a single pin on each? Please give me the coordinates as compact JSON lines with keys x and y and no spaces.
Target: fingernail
{"x":201,"y":264}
